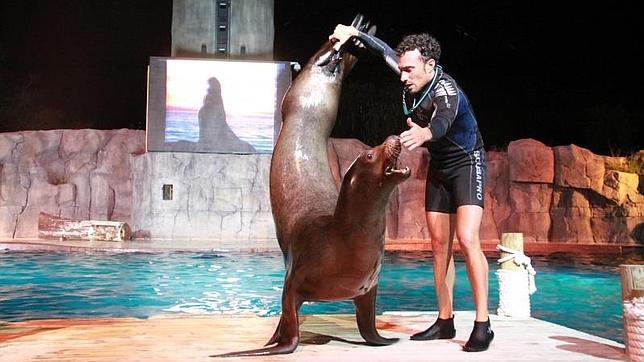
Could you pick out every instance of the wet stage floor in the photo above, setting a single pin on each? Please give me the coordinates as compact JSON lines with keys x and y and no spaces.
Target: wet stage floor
{"x":323,"y":338}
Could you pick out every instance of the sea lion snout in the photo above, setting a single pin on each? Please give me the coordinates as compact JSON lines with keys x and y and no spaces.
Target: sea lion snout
{"x":392,"y":152}
{"x":392,"y":148}
{"x":329,"y":60}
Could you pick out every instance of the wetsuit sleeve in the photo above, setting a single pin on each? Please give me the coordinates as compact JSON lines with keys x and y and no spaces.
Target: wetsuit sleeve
{"x":381,"y":49}
{"x":445,"y":100}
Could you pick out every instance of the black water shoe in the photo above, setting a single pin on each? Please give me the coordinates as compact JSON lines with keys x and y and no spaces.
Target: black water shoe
{"x":480,"y":338}
{"x":441,"y":329}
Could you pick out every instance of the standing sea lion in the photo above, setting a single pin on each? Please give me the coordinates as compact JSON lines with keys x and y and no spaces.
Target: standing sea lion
{"x":333,"y":242}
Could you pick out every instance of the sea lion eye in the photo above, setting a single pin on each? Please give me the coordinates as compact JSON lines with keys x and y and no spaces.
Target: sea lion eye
{"x":369,"y":155}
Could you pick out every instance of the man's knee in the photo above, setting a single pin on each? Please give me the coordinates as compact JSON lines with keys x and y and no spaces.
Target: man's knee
{"x":468,"y":241}
{"x":440,"y":227}
{"x":440,"y":239}
{"x":439,"y":242}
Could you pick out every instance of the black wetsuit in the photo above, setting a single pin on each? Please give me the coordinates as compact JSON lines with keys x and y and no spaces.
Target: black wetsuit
{"x":456,"y":174}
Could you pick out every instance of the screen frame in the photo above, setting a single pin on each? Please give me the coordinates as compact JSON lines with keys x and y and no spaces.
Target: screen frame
{"x":156,"y":103}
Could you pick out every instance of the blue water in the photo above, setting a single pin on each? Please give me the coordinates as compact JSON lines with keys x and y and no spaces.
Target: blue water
{"x":63,"y":285}
{"x":182,"y":125}
{"x":256,"y":129}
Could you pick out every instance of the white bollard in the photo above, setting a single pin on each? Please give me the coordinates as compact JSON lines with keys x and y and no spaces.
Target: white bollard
{"x":516,"y":277}
{"x":632,"y":277}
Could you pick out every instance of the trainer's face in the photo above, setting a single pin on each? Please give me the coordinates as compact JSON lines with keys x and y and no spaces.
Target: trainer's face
{"x":414,"y":72}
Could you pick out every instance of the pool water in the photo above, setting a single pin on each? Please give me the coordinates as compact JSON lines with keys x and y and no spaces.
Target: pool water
{"x":63,"y":285}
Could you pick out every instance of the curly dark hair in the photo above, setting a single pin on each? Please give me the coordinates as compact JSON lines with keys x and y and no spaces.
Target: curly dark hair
{"x":426,"y":44}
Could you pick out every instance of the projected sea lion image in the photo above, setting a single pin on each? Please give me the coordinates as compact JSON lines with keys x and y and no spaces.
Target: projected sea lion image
{"x":332,"y":241}
{"x":214,"y":131}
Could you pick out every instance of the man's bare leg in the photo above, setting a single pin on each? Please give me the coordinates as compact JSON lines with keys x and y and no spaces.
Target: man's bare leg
{"x":468,"y":223}
{"x":441,"y":229}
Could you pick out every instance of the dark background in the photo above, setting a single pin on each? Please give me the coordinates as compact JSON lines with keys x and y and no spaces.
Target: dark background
{"x":538,"y":70}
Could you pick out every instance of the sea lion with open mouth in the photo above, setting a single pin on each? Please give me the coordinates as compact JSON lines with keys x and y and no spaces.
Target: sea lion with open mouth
{"x":333,"y":242}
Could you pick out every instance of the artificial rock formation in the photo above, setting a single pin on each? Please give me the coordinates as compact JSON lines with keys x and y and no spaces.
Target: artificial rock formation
{"x":76,"y":174}
{"x":561,"y":194}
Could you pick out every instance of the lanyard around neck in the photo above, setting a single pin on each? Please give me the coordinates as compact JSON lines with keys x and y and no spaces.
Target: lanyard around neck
{"x":416,"y":103}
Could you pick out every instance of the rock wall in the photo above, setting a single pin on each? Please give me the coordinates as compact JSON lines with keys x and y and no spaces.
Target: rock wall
{"x":562,"y":194}
{"x":78,"y":174}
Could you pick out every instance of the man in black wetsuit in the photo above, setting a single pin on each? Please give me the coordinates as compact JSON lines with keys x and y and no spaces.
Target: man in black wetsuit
{"x":440,"y":117}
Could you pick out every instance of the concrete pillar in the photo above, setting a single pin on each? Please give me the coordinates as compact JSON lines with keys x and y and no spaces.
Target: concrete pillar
{"x":198,"y":30}
{"x":253,"y":29}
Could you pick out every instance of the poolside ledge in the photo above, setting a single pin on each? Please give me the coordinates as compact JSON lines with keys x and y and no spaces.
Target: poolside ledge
{"x":324,"y":338}
{"x":488,"y":246}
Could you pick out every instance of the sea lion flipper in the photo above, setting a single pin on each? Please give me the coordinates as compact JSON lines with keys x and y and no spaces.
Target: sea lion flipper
{"x":372,"y":29}
{"x":366,"y":318}
{"x":285,"y":344}
{"x":283,"y":348}
{"x":357,"y":21}
{"x":287,"y":333}
{"x":276,"y":335}
{"x":363,"y":26}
